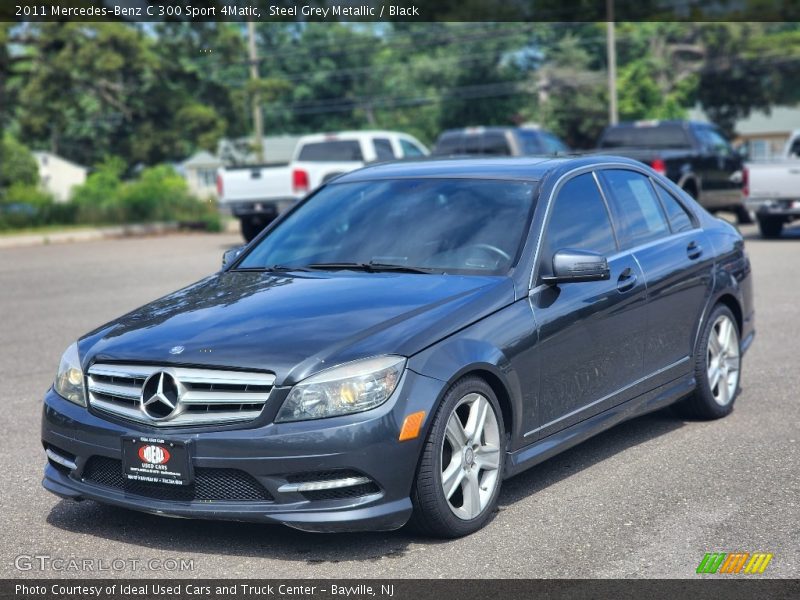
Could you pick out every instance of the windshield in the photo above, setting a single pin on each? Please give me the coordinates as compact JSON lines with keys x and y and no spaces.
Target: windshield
{"x":437,"y":225}
{"x":331,"y":151}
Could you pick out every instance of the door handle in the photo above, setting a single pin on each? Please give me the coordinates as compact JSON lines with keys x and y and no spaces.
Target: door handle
{"x":694,"y":250}
{"x":626,"y":280}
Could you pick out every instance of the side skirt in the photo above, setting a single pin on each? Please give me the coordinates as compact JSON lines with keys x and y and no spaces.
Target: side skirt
{"x":539,"y":451}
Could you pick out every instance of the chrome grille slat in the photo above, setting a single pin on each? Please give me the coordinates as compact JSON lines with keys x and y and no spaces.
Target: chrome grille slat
{"x":223,"y":377}
{"x":214,"y":397}
{"x":111,"y":389}
{"x":123,"y":371}
{"x":207,"y":396}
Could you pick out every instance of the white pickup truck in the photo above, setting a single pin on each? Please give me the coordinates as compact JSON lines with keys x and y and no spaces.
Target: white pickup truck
{"x":772,"y":189}
{"x":257,"y":194}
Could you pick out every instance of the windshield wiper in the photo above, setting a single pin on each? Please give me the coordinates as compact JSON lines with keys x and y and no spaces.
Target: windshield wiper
{"x":273,"y":269}
{"x":370,"y":267}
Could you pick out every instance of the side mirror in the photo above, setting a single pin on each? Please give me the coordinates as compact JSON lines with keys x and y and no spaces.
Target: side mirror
{"x":573,"y":266}
{"x":231,"y":255}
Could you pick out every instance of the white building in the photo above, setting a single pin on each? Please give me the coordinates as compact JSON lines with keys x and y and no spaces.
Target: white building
{"x":200,"y":172}
{"x":58,"y":175}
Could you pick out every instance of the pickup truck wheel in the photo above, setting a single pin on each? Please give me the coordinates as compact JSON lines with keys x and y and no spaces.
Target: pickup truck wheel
{"x":461,"y":467}
{"x":251,"y":228}
{"x":770,"y":227}
{"x":717,"y":368}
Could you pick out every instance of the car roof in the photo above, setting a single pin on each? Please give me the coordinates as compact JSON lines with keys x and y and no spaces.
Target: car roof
{"x":523,"y":168}
{"x":656,"y":123}
{"x":348,"y":135}
{"x":480,"y":129}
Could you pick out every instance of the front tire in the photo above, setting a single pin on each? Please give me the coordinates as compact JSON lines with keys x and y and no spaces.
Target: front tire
{"x":718,"y":364}
{"x":461,"y":468}
{"x":770,"y":227}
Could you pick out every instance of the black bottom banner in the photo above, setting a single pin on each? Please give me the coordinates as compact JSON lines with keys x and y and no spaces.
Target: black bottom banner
{"x":400,"y":589}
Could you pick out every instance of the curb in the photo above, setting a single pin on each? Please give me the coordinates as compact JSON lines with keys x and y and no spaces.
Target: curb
{"x":86,"y":235}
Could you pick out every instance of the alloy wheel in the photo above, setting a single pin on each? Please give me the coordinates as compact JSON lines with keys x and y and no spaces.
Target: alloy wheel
{"x":470,"y":456}
{"x":723,"y":360}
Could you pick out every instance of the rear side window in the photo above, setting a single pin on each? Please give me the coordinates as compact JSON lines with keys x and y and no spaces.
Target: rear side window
{"x":679,"y":219}
{"x":713,"y":141}
{"x":383,"y":149}
{"x":578,"y":220}
{"x":472,"y":144}
{"x":794,"y":150}
{"x":637,"y":212}
{"x":531,"y":142}
{"x":410,"y":149}
{"x":495,"y":143}
{"x":646,"y":136}
{"x":331,"y":151}
{"x":448,"y":143}
{"x":552,"y":144}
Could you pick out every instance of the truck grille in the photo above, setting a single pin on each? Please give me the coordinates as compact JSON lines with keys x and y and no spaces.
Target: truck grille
{"x":183,"y":396}
{"x":210,"y":485}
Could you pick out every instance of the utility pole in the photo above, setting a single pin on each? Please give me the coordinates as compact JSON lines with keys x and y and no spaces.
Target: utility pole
{"x":611,"y":50}
{"x":258,"y":121}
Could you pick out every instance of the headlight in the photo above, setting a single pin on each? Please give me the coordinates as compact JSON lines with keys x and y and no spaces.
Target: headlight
{"x":69,"y":379}
{"x":350,"y":388}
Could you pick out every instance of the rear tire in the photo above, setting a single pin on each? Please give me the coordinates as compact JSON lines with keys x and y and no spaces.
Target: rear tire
{"x":770,"y":227}
{"x":461,"y":468}
{"x":717,"y":368}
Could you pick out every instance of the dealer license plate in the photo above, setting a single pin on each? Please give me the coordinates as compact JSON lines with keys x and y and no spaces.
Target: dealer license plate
{"x":154,"y":460}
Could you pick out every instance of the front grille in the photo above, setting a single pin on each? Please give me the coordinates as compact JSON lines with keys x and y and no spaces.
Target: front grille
{"x":210,"y":485}
{"x":199,"y":396}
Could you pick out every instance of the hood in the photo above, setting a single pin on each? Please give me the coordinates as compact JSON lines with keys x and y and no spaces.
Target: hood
{"x":297,"y":324}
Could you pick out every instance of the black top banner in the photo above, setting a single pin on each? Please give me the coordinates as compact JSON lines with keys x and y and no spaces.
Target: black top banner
{"x":399,"y":10}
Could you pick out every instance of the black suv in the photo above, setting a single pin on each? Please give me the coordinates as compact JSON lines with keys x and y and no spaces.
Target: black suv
{"x":498,"y":141}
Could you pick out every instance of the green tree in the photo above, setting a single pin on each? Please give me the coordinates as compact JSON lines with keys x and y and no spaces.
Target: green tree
{"x":17,"y":164}
{"x":574,"y":99}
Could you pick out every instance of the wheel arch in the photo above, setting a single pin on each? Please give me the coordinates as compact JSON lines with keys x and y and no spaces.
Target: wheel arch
{"x":690,"y":184}
{"x":729,"y":300}
{"x":450,"y":364}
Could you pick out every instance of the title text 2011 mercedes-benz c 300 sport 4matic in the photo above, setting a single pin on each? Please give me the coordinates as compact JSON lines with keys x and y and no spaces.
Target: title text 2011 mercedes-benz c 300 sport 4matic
{"x":402,"y":341}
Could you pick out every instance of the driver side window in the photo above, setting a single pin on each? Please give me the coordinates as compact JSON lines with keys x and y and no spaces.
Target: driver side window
{"x":579,"y":220}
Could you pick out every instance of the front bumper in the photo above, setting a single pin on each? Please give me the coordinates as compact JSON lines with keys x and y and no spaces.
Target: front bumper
{"x":266,"y":454}
{"x":774,"y":208}
{"x":261,"y":208}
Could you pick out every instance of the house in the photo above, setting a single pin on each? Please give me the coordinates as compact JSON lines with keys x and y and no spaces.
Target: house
{"x":59,"y":175}
{"x":200,"y":172}
{"x":767,"y":134}
{"x":764,"y":134}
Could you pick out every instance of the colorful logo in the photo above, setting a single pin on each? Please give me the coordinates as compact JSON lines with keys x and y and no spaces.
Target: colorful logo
{"x":154,"y":455}
{"x":731,"y":563}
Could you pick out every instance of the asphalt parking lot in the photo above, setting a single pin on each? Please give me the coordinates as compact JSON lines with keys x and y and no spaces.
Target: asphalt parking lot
{"x":646,"y":499}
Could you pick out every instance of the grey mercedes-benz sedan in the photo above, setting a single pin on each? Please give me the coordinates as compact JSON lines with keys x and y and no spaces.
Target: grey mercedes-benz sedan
{"x":402,"y":341}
